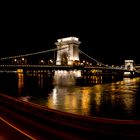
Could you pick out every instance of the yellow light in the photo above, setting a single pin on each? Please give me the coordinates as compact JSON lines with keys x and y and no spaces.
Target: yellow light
{"x":20,"y":70}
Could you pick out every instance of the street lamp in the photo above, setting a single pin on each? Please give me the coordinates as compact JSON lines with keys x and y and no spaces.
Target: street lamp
{"x":14,"y":61}
{"x":41,"y":61}
{"x":50,"y":62}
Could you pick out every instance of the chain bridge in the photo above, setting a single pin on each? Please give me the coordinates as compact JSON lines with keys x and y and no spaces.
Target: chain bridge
{"x":66,"y":56}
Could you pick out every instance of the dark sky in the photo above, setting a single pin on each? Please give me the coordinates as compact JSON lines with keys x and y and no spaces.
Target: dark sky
{"x":108,"y":32}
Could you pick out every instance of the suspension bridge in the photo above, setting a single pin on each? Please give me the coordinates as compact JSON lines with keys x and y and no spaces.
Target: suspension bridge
{"x":67,"y":58}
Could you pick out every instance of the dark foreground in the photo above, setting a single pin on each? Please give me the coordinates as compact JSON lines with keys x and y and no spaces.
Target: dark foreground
{"x":42,"y":123}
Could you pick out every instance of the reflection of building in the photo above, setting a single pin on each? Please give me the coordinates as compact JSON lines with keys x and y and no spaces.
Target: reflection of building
{"x":64,"y":78}
{"x":67,"y":51}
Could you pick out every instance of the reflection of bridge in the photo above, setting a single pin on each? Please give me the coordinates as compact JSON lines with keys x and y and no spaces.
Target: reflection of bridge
{"x":67,"y":59}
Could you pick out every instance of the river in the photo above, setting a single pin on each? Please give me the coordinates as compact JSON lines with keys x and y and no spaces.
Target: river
{"x":113,"y":99}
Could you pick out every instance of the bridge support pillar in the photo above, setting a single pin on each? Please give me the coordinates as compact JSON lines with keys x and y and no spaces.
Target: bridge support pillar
{"x":129,"y":65}
{"x":67,"y":51}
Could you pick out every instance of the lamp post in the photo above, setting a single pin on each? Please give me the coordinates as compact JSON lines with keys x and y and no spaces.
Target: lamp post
{"x":50,"y":62}
{"x":42,"y":61}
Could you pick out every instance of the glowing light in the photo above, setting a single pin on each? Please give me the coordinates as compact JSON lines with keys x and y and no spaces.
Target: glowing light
{"x":85,"y":101}
{"x":127,"y":73}
{"x":129,"y":61}
{"x":20,"y":82}
{"x":20,"y":70}
{"x":77,"y":73}
{"x":70,"y":62}
{"x":68,"y":39}
{"x":54,"y":96}
{"x":64,"y":78}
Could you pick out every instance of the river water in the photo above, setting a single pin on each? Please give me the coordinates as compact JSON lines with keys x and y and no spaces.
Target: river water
{"x":92,"y":97}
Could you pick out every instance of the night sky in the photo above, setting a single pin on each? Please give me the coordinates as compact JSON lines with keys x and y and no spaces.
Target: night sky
{"x":108,"y":33}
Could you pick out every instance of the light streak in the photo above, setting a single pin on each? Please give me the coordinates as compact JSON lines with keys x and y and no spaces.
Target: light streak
{"x":17,"y":129}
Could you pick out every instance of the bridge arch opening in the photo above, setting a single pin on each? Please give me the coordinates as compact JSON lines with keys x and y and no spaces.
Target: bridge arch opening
{"x":67,"y":50}
{"x":129,"y":65}
{"x":64,"y":59}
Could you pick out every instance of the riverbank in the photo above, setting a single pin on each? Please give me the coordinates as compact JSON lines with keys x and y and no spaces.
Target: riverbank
{"x":80,"y":126}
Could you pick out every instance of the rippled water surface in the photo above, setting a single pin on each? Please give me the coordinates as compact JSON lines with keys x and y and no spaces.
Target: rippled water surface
{"x":120,"y":99}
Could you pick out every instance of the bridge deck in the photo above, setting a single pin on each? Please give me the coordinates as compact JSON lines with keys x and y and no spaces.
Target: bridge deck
{"x":59,"y":67}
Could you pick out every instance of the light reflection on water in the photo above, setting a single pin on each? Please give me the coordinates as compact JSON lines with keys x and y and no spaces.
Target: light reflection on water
{"x":119,"y":99}
{"x":74,"y":100}
{"x":20,"y":82}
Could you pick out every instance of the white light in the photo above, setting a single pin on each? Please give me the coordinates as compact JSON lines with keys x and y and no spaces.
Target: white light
{"x":54,"y":96}
{"x":127,"y":73}
{"x":68,"y":39}
{"x":128,"y":61}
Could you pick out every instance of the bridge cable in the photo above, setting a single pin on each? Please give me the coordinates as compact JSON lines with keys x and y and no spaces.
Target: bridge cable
{"x":92,"y":58}
{"x":41,"y":52}
{"x":29,"y":54}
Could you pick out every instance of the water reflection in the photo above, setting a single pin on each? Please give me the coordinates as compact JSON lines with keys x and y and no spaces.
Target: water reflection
{"x":40,"y":80}
{"x":98,"y":92}
{"x":125,"y":91}
{"x":70,"y":99}
{"x":93,"y":79}
{"x":20,"y":83}
{"x":115,"y":99}
{"x":118,"y":99}
{"x":64,"y":78}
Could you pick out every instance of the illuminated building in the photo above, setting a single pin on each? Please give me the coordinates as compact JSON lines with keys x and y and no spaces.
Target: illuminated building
{"x":67,"y":51}
{"x":129,"y":65}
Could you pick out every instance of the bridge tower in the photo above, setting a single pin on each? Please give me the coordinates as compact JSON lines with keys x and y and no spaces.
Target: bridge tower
{"x":67,"y":50}
{"x":129,"y":65}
